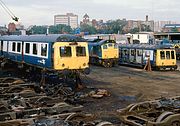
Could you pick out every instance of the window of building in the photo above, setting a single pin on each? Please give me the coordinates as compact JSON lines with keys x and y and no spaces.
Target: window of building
{"x":18,"y":47}
{"x":27,"y":48}
{"x":167,"y":54}
{"x":162,"y":54}
{"x":35,"y":48}
{"x":13,"y":46}
{"x":80,"y":51}
{"x":65,"y":51}
{"x":43,"y":49}
{"x":172,"y":55}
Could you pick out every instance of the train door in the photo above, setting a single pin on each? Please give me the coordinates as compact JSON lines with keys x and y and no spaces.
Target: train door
{"x":124,"y":55}
{"x":132,"y":56}
{"x":1,"y":48}
{"x":139,"y":56}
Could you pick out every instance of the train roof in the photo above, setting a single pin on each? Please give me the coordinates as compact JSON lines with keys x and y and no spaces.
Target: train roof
{"x":43,"y":38}
{"x":145,"y":46}
{"x":96,"y":42}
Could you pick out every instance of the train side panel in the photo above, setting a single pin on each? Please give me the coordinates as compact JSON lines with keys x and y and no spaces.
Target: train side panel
{"x":69,"y":56}
{"x":38,"y":54}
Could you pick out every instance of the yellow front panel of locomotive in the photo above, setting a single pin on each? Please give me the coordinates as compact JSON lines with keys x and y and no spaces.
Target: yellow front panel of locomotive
{"x":72,"y":62}
{"x":165,"y":61}
{"x":110,"y":52}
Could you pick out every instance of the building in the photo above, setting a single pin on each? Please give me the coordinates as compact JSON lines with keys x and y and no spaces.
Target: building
{"x":158,"y":25}
{"x":3,"y":30}
{"x":69,"y":19}
{"x":139,"y":38}
{"x":11,"y":27}
{"x":139,"y":24}
{"x":171,"y":28}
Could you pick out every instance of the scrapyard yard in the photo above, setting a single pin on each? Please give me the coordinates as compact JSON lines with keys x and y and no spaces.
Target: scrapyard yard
{"x":119,"y":86}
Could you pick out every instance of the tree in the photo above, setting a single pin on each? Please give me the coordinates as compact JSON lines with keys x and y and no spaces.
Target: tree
{"x":88,"y":28}
{"x":38,"y":30}
{"x":57,"y":29}
{"x":60,"y":29}
{"x":134,"y":30}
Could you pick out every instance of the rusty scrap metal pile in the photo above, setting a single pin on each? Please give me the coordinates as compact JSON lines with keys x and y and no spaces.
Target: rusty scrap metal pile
{"x":25,"y":104}
{"x":162,"y":112}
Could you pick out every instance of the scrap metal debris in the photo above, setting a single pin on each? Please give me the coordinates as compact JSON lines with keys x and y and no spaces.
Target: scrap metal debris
{"x":163,"y":112}
{"x":26,"y":104}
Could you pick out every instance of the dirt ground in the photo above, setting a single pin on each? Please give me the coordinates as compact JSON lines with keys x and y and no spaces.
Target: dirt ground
{"x":130,"y":85}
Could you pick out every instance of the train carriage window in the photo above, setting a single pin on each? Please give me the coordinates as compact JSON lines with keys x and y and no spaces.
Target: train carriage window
{"x":43,"y":49}
{"x":139,"y":52}
{"x":167,"y":54}
{"x":65,"y":51}
{"x":172,"y":55}
{"x":13,"y":46}
{"x":162,"y":54}
{"x":132,"y":52}
{"x":27,"y":48}
{"x":80,"y":51}
{"x":35,"y":48}
{"x":18,"y":47}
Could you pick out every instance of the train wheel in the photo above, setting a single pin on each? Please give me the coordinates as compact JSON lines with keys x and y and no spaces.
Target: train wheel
{"x":107,"y":64}
{"x":163,"y":116}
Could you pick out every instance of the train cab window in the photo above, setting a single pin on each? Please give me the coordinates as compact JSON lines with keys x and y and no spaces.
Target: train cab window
{"x":27,"y":48}
{"x":65,"y":51}
{"x":18,"y":47}
{"x":172,"y":55}
{"x":43,"y":49}
{"x":13,"y":46}
{"x":35,"y":48}
{"x":162,"y":54}
{"x":167,"y":54}
{"x":80,"y":51}
{"x":105,"y":47}
{"x":115,"y":46}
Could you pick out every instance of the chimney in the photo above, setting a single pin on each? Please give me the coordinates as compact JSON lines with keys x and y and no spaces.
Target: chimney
{"x":146,"y":17}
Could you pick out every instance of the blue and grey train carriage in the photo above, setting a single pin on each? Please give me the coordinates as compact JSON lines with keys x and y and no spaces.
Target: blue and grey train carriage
{"x":51,"y":52}
{"x":161,"y":56}
{"x":103,"y":52}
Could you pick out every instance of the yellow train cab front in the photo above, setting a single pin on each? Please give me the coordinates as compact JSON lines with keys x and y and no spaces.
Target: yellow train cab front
{"x":71,"y":55}
{"x":166,"y":58}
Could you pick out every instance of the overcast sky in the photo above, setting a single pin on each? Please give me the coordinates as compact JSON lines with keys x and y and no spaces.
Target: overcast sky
{"x":41,"y":12}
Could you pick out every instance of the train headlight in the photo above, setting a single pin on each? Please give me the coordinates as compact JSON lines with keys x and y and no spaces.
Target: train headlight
{"x":84,"y":64}
{"x":172,"y":62}
{"x":63,"y":65}
{"x":162,"y":63}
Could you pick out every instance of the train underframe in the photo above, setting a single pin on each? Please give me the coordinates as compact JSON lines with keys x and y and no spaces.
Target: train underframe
{"x":104,"y":62}
{"x":43,"y":75}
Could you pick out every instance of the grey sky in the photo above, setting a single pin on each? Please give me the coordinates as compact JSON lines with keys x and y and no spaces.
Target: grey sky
{"x":41,"y":12}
